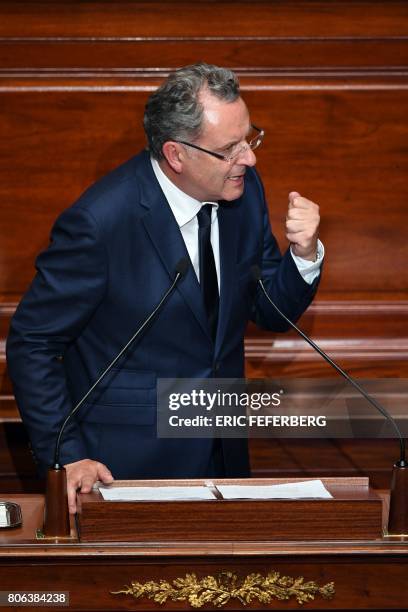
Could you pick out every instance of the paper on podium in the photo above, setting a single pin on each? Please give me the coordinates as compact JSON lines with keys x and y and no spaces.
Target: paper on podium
{"x":309,"y":489}
{"x":297,"y":490}
{"x":113,"y":493}
{"x":347,"y":510}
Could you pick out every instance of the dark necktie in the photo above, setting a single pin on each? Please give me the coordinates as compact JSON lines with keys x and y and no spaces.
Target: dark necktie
{"x":208,"y":273}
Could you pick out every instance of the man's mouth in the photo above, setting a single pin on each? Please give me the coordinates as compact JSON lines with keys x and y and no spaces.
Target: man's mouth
{"x":237,"y":178}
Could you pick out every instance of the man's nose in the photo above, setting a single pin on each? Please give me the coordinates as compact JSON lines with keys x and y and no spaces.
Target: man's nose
{"x":247,"y":157}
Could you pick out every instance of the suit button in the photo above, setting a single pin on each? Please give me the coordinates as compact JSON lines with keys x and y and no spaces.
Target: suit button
{"x":216,"y":366}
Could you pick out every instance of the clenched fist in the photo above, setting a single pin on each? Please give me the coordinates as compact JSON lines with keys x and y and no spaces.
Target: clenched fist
{"x":302,"y":225}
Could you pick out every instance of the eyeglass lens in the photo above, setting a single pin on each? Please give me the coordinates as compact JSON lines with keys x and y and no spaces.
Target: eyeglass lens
{"x":253,"y":143}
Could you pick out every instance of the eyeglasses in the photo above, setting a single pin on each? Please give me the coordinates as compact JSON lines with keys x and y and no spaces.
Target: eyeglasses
{"x":236,"y":150}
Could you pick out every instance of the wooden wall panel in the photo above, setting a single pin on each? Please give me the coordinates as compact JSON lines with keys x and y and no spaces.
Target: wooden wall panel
{"x":327,"y":80}
{"x":343,"y":147}
{"x":241,"y":54}
{"x":320,"y":458}
{"x":234,"y":18}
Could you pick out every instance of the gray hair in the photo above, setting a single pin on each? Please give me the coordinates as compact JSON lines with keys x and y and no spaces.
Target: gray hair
{"x":174,"y":112}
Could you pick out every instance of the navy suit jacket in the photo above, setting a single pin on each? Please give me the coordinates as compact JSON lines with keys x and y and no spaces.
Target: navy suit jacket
{"x":111,"y":257}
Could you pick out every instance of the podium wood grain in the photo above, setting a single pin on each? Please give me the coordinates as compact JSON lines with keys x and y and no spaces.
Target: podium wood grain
{"x":368,"y":574}
{"x":354,"y":513}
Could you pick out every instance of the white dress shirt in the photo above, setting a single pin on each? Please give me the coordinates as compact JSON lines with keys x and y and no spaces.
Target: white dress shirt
{"x":185,"y":209}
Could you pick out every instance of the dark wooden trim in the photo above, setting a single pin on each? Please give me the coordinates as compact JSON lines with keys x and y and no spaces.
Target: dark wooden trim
{"x":140,"y":19}
{"x":251,"y":54}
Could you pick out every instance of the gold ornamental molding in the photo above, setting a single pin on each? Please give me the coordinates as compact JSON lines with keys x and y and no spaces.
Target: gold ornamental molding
{"x":226,"y":586}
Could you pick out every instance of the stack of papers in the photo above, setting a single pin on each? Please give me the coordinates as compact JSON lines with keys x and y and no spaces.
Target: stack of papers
{"x":309,"y":489}
{"x":155,"y":493}
{"x":297,"y":490}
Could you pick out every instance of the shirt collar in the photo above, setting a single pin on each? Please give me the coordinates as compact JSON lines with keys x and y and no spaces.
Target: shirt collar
{"x":183,"y":206}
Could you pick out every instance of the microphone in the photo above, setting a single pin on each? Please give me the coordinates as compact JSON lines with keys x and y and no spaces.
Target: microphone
{"x":398,"y":520}
{"x":56,"y":524}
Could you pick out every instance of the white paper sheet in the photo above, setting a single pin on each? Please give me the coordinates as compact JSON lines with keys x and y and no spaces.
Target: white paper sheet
{"x":296,"y":490}
{"x":155,"y":493}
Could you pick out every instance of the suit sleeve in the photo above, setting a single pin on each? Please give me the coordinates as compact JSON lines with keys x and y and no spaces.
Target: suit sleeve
{"x":282,"y":279}
{"x":70,"y":282}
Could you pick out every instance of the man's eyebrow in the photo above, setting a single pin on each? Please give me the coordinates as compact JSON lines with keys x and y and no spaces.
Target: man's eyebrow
{"x":234,"y":142}
{"x":230,"y":144}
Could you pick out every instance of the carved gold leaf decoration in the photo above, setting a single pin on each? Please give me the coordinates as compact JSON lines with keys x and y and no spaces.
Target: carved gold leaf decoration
{"x":219,"y":590}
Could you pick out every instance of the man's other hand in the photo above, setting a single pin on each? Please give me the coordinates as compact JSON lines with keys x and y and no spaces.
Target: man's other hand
{"x":302,"y":225}
{"x":82,"y":475}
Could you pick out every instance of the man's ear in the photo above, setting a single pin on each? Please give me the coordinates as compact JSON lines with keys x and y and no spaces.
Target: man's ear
{"x":174,"y":155}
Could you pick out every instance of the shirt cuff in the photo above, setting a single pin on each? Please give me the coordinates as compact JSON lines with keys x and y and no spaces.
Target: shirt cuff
{"x":309,"y":270}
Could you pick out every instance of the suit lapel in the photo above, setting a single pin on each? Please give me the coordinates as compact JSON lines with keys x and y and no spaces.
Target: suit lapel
{"x":166,"y":237}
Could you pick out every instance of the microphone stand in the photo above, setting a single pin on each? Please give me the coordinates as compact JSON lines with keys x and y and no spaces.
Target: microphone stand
{"x":56,"y":514}
{"x":398,"y":513}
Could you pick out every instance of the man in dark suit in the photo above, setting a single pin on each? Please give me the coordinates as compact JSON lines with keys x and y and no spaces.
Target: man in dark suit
{"x":195,"y":194}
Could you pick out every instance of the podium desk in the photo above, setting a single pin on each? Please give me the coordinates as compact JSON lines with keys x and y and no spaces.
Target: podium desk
{"x":205,"y":575}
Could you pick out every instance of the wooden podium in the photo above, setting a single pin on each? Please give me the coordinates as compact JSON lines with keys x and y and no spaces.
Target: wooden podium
{"x":353,"y":513}
{"x":214,"y":555}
